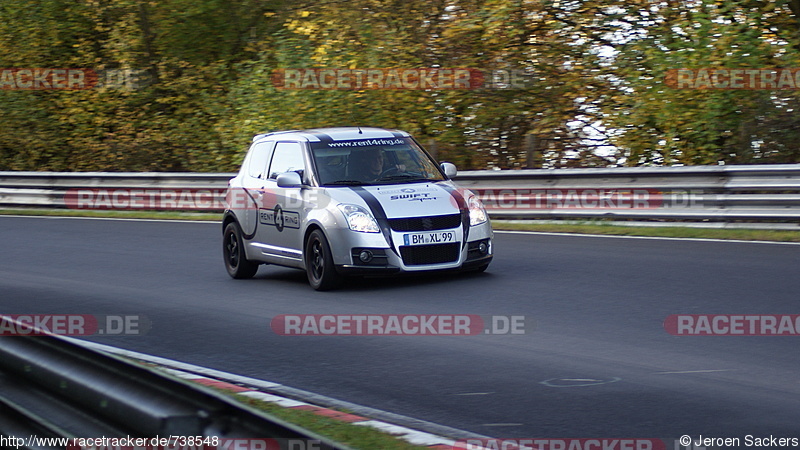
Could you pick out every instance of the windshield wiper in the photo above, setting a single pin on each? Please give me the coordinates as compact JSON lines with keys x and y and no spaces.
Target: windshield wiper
{"x":345,"y":183}
{"x":405,"y":178}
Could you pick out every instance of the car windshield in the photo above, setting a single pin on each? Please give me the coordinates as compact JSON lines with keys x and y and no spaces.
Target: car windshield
{"x":373,"y":161}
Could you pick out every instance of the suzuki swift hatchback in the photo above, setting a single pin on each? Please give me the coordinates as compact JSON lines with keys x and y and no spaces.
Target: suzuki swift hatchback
{"x":350,"y":201}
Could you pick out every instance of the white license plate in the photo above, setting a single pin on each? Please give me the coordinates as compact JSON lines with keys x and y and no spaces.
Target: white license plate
{"x":430,"y":237}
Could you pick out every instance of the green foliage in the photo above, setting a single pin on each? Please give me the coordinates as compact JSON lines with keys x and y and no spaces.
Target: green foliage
{"x":663,"y":125}
{"x":204,"y":87}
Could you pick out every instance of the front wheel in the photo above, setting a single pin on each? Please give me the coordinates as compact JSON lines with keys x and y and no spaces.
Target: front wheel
{"x":236,"y":261}
{"x":321,"y":273}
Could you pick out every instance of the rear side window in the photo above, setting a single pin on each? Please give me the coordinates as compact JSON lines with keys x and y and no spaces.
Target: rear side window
{"x":288,"y":158}
{"x":259,"y":159}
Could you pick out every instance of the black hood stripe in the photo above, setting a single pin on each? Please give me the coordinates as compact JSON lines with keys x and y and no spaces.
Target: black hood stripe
{"x":323,"y":137}
{"x":462,"y":206}
{"x":377,"y":210}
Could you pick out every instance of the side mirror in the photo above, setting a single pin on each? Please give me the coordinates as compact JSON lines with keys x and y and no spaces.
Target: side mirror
{"x":449,"y":169}
{"x":289,"y":180}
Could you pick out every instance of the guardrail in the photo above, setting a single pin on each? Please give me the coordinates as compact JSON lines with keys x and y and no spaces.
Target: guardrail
{"x":765,"y":193}
{"x":52,"y":388}
{"x":757,"y":193}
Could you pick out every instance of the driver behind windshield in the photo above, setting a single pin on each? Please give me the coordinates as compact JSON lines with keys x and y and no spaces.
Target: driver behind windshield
{"x":368,"y":165}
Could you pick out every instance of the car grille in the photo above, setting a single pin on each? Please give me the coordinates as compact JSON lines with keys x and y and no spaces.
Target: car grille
{"x":414,"y":255}
{"x":426,"y":223}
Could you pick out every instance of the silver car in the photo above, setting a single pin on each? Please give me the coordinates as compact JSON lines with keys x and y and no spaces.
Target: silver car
{"x":350,"y":201}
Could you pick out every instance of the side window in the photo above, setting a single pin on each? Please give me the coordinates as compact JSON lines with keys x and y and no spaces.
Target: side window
{"x":259,"y":159}
{"x":288,"y":157}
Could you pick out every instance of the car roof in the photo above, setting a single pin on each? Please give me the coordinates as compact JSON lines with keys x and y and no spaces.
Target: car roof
{"x":332,"y":134}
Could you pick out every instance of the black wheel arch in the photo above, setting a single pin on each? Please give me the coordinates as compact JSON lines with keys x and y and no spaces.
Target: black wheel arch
{"x":228,"y":217}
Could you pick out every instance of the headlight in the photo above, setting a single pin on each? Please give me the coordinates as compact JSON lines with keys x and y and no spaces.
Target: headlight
{"x":477,"y":215}
{"x":359,"y":219}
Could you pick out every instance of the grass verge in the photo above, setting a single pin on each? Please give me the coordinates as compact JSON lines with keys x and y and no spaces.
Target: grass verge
{"x":671,"y":232}
{"x":354,"y":436}
{"x":357,"y":437}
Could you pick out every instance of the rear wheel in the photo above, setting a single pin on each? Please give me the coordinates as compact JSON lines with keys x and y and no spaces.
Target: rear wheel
{"x":321,"y":273}
{"x":236,"y":261}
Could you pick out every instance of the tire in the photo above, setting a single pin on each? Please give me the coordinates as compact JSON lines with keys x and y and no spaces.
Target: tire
{"x":236,"y":262}
{"x":320,"y":270}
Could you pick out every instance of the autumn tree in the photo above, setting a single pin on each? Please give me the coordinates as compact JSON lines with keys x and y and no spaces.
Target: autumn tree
{"x":183,"y":85}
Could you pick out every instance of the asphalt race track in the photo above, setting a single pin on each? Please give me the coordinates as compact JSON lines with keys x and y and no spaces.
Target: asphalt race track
{"x":597,"y":362}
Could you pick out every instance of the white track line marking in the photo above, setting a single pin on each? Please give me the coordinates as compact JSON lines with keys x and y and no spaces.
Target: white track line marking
{"x":694,"y":371}
{"x":737,"y":241}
